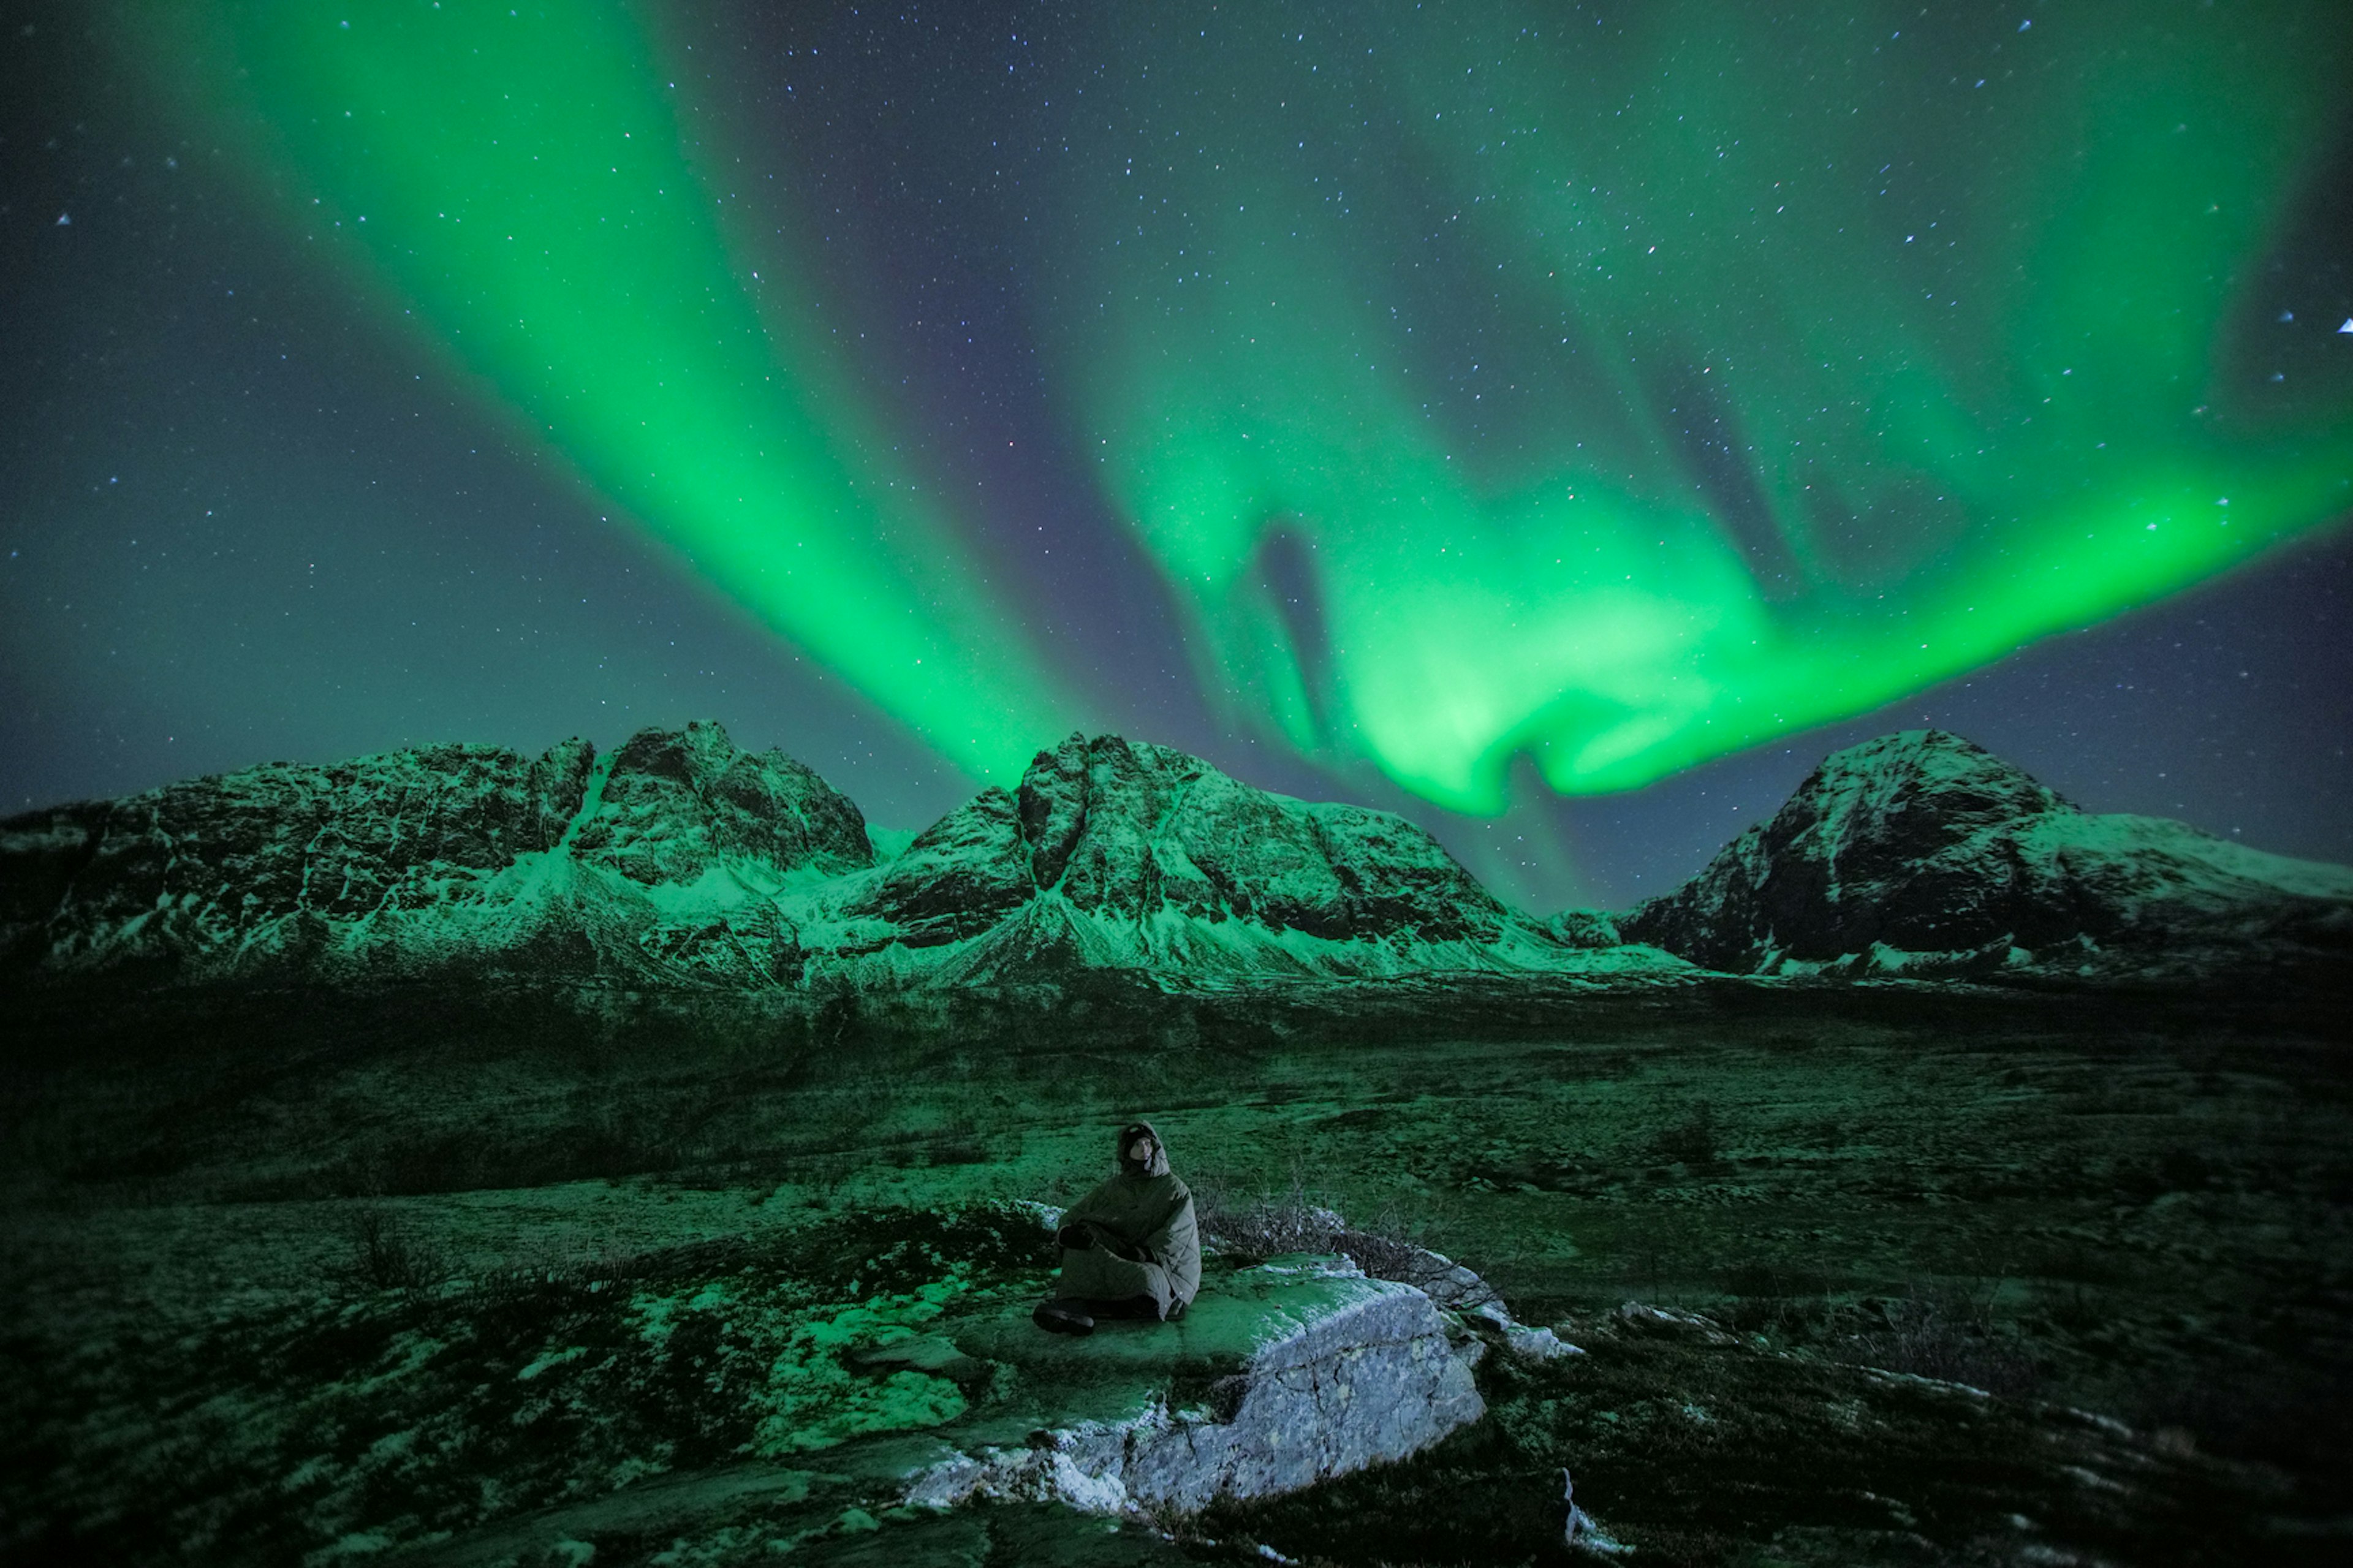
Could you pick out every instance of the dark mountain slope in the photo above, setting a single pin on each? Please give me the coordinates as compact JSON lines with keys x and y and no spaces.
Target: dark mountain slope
{"x":1921,"y":851}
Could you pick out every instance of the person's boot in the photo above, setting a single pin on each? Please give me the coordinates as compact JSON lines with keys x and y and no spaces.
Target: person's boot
{"x":1061,"y":1318}
{"x":1176,"y":1309}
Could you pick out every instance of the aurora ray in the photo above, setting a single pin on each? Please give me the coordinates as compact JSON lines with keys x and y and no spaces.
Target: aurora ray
{"x":518,"y":178}
{"x":1626,"y":385}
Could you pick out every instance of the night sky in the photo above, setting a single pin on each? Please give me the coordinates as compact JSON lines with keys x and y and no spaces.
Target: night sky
{"x":1563,"y":423}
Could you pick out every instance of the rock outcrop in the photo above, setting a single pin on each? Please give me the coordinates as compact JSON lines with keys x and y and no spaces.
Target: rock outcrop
{"x":1922,"y":853}
{"x":854,"y":1381}
{"x":1281,"y":1375}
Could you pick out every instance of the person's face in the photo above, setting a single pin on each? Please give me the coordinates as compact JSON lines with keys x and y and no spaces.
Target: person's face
{"x":1141,"y":1151}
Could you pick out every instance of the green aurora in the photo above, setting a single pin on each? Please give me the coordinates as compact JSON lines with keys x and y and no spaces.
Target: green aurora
{"x":1619,"y":390}
{"x":1822,"y":372}
{"x":517,"y":178}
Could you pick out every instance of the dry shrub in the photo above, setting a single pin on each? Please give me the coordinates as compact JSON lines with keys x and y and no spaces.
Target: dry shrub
{"x":1272,"y":1224}
{"x":1268,"y":1225}
{"x":385,"y":1257}
{"x":1948,"y":1334}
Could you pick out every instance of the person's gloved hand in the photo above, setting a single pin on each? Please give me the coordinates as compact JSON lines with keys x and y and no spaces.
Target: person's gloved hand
{"x":1076,"y":1237}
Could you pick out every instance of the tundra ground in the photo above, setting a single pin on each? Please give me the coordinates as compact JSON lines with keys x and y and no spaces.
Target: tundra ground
{"x":1962,"y":1277}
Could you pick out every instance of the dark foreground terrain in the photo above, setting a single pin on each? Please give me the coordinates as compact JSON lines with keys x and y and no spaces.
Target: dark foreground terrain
{"x":1928,"y":1274}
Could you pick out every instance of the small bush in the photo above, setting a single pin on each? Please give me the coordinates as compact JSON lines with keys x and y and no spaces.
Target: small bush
{"x":1949,"y":1335}
{"x":1268,"y":1225}
{"x":385,"y":1256}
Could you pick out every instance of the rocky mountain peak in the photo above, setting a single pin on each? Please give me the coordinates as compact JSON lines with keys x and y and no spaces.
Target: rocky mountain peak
{"x":261,"y":860}
{"x":674,"y":804}
{"x":1913,"y":792}
{"x":1922,"y":843}
{"x":1165,"y":861}
{"x":1090,"y":808}
{"x":1127,"y":786}
{"x":679,"y":859}
{"x":1125,"y":828}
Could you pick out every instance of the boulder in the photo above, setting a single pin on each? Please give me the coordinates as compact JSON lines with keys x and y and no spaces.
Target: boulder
{"x":1281,"y":1375}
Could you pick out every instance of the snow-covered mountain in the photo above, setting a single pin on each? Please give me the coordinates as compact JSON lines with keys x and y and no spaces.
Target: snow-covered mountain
{"x":681,"y":859}
{"x":1921,"y":852}
{"x":470,"y":859}
{"x":1116,"y":855}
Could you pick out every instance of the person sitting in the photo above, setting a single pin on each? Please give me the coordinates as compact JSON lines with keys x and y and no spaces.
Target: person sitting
{"x":1131,"y":1247}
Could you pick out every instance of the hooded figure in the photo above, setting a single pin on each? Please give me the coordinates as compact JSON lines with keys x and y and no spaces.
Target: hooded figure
{"x":1130,"y":1249}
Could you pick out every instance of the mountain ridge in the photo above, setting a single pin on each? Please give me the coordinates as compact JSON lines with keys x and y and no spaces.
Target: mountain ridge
{"x":679,"y":860}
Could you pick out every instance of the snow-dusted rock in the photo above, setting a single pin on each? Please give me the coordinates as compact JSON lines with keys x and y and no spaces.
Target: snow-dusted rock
{"x":951,"y":1400}
{"x":1114,"y":857}
{"x":1921,"y":854}
{"x":1280,"y":1376}
{"x":673,"y":806}
{"x":1129,"y":829}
